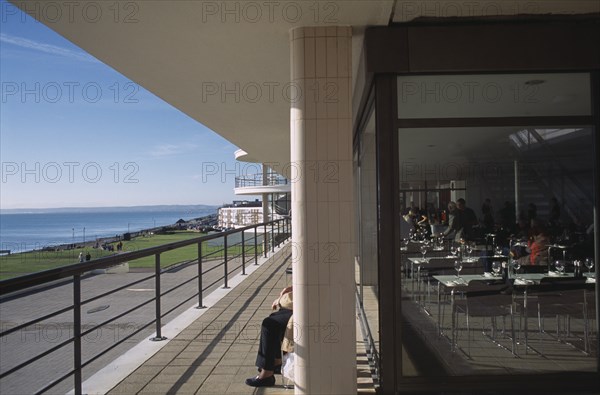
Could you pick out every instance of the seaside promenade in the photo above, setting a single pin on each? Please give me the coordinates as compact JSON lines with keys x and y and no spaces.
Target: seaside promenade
{"x":216,"y":352}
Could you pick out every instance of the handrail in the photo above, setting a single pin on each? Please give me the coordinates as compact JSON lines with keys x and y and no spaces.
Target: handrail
{"x":257,"y":180}
{"x":23,"y":283}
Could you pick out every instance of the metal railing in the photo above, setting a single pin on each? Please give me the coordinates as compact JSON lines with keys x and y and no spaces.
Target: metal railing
{"x":256,"y":180}
{"x":247,"y":250}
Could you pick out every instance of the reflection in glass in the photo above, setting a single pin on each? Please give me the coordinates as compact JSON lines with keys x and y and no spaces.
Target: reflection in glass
{"x":527,"y":188}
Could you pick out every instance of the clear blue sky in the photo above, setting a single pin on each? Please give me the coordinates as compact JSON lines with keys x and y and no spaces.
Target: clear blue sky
{"x":74,"y":132}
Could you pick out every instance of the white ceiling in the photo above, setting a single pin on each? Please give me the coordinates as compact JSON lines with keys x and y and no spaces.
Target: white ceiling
{"x":473,"y":96}
{"x":449,"y":145}
{"x":188,"y":52}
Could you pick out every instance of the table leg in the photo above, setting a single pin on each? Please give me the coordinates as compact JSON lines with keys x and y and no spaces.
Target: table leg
{"x":512,"y":325}
{"x":453,"y":340}
{"x":412,"y":278}
{"x":586,"y":329}
{"x":526,"y":320}
{"x":439,"y":308}
{"x":419,"y":284}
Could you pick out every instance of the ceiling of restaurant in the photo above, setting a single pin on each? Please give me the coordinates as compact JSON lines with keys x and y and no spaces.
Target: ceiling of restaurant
{"x":474,"y":96}
{"x":405,"y":11}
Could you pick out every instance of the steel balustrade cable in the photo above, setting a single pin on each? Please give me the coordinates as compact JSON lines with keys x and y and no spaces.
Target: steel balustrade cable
{"x":128,"y":285}
{"x":35,"y":321}
{"x":121,"y":315}
{"x":46,"y":276}
{"x":75,"y":271}
{"x":213,"y":283}
{"x":37,"y":357}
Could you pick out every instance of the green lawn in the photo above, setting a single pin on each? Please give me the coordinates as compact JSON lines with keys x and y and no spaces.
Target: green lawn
{"x":167,"y":258}
{"x":29,"y":262}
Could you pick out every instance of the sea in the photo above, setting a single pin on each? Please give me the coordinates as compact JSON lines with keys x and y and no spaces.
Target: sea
{"x":23,"y":230}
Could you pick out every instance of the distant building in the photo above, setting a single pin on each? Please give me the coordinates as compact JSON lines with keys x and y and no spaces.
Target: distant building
{"x":271,"y":186}
{"x":238,"y":217}
{"x":242,"y":213}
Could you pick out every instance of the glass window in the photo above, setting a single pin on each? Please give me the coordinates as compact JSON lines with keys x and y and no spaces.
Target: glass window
{"x":498,"y":248}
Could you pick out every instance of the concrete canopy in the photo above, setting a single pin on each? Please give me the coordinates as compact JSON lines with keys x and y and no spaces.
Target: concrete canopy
{"x":225,"y":64}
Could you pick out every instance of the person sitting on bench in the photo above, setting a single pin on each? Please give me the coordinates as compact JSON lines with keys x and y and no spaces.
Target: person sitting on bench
{"x":273,"y":329}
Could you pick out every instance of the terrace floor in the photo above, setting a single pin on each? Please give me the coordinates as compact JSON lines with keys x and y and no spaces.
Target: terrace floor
{"x":217,"y":351}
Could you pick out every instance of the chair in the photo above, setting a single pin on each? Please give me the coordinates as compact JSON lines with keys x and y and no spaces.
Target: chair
{"x":434,"y":267}
{"x":559,"y":297}
{"x":486,"y":299}
{"x":586,"y":311}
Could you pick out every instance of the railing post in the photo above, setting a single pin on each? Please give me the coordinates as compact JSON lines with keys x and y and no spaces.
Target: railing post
{"x":225,"y":260}
{"x":278,"y":233}
{"x":77,"y":333}
{"x":200,"y":302}
{"x":158,"y":336}
{"x":255,"y":246}
{"x":243,"y":254}
{"x":272,"y":237}
{"x":266,"y":242}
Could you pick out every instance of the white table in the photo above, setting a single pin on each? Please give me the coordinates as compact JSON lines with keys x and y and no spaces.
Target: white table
{"x":457,"y":284}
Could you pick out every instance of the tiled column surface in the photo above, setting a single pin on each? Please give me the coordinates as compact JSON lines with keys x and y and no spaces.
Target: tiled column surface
{"x":322,"y":207}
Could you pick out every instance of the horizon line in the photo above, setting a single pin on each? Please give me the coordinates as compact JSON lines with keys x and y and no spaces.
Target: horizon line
{"x":109,"y":207}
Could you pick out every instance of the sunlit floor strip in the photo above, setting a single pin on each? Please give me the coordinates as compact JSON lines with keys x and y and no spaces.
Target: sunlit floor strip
{"x":105,"y":379}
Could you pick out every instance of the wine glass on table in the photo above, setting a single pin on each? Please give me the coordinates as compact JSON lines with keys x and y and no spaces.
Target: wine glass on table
{"x":440,"y":243}
{"x":405,"y":242}
{"x":560,"y":266}
{"x":516,"y":266}
{"x":454,"y":250}
{"x":423,"y":250}
{"x":498,"y":251}
{"x":469,"y":250}
{"x":496,"y":267}
{"x":589,"y":263}
{"x":458,"y":266}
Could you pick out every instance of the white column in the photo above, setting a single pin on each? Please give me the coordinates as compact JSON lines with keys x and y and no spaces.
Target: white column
{"x":322,"y":203}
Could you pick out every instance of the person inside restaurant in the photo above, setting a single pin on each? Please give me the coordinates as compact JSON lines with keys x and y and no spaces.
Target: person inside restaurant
{"x":536,"y":252}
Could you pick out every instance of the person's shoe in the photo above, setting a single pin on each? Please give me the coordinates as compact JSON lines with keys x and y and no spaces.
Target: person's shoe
{"x":256,"y":382}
